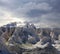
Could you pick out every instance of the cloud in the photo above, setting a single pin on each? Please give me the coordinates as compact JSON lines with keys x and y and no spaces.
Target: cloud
{"x":6,"y":17}
{"x":40,"y":12}
{"x":31,"y":8}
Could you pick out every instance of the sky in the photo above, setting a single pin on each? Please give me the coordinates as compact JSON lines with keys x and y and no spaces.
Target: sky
{"x":43,"y":13}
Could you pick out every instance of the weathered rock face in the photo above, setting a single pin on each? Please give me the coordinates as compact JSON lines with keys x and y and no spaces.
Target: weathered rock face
{"x":47,"y":50}
{"x":3,"y":49}
{"x":1,"y":32}
{"x":17,"y":37}
{"x":21,"y":35}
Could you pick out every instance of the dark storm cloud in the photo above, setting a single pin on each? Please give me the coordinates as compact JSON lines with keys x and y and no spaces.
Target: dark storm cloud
{"x":36,"y":13}
{"x":56,"y":7}
{"x":35,"y":10}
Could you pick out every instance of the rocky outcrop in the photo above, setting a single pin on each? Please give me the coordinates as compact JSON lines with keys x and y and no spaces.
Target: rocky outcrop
{"x":16,"y":40}
{"x":46,"y":50}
